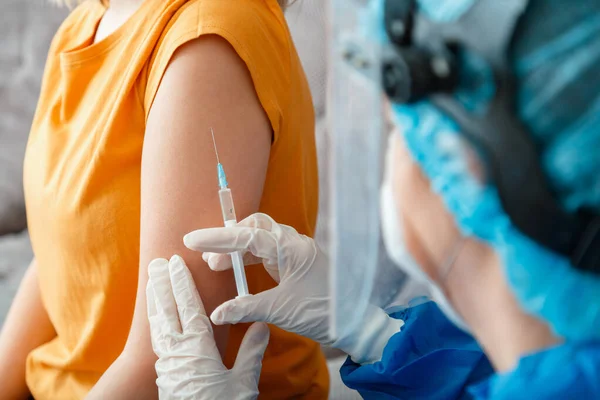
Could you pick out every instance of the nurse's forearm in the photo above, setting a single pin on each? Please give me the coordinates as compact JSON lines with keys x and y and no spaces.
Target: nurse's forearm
{"x":27,"y":326}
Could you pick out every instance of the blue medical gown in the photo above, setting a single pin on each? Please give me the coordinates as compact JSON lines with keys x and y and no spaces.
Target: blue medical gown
{"x":568,"y":371}
{"x":430,"y":358}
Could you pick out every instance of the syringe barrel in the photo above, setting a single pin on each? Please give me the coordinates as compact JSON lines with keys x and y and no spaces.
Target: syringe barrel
{"x":227,"y":207}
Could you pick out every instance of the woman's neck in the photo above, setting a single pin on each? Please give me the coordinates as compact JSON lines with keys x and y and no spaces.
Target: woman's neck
{"x":123,"y":4}
{"x":117,"y":13}
{"x":477,"y":288}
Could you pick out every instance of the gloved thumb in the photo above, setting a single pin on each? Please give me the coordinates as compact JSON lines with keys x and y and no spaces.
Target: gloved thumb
{"x":252,"y":349}
{"x":251,"y":308}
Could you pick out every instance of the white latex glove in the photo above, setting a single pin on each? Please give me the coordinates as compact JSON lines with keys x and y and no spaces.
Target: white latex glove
{"x":301,"y":302}
{"x":189,"y":365}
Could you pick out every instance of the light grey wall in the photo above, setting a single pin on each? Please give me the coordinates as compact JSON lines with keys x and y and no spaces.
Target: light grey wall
{"x":307,"y":22}
{"x":26,"y":28}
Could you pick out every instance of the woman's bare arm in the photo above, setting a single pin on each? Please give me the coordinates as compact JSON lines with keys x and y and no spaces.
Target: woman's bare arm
{"x":27,"y":326}
{"x":206,"y":85}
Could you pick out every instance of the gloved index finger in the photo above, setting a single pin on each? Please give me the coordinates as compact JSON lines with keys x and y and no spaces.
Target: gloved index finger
{"x":258,"y":220}
{"x":259,"y":242}
{"x":216,"y":240}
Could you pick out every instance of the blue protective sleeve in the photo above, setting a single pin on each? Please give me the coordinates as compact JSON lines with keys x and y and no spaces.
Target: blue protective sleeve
{"x":569,"y":371}
{"x":429,"y":358}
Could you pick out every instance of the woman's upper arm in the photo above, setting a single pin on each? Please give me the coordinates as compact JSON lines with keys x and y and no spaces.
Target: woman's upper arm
{"x":205,"y":85}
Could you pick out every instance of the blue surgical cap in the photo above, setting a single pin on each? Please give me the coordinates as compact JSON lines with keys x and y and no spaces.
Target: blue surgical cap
{"x":556,"y":59}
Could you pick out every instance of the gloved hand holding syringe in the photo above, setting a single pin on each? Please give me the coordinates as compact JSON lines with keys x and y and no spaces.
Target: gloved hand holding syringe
{"x":230,"y":220}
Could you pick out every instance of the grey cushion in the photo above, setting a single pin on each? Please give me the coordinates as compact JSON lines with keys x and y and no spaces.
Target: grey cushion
{"x":26,"y":28}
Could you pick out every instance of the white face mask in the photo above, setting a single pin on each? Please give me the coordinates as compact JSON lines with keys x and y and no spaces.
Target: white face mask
{"x":395,"y":245}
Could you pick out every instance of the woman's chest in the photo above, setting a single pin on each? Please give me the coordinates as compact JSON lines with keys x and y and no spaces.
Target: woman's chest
{"x":82,"y":167}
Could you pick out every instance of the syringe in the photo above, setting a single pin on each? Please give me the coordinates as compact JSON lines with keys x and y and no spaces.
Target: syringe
{"x":230,"y":220}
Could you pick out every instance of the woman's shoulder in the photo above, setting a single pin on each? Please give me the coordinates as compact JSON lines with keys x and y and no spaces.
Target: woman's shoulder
{"x":255,"y":29}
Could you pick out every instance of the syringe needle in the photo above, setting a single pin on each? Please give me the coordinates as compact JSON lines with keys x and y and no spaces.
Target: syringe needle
{"x":215,"y":144}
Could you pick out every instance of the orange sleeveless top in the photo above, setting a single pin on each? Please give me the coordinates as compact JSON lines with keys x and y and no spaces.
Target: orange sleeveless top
{"x":82,"y":180}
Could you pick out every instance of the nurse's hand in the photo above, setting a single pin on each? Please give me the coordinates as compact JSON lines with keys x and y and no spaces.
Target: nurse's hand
{"x":189,"y":365}
{"x":301,"y":302}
